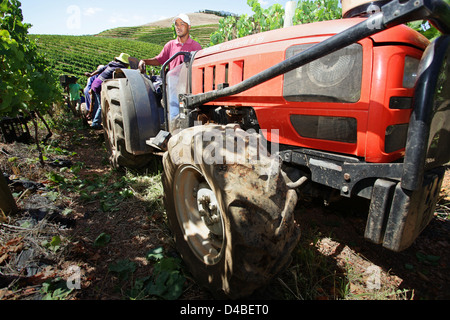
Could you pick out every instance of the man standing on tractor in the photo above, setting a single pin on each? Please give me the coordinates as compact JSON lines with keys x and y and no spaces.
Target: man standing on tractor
{"x":183,"y":42}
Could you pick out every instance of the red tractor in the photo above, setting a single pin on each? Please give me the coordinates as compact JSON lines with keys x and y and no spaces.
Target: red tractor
{"x":357,"y":107}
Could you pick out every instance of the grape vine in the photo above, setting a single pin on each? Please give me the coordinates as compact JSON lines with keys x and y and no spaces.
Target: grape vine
{"x":232,"y":27}
{"x":27,"y":83}
{"x":307,"y":11}
{"x":75,"y":55}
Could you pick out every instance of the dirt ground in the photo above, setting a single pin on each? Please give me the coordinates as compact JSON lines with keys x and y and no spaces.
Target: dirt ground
{"x":422,"y":271}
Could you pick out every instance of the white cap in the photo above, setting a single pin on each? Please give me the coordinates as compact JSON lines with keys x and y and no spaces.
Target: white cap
{"x":183,"y":17}
{"x":348,"y":5}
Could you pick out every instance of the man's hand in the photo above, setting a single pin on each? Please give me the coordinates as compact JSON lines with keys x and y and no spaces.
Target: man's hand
{"x":142,"y":67}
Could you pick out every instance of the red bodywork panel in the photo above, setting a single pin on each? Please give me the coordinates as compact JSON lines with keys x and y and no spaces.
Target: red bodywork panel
{"x":382,"y":78}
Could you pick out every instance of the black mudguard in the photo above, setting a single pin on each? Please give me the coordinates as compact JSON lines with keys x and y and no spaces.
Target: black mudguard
{"x":428,"y":141}
{"x":400,"y":211}
{"x":140,"y":111}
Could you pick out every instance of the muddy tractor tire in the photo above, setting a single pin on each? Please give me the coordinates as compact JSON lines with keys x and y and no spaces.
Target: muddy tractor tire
{"x":114,"y":121}
{"x":233,"y":222}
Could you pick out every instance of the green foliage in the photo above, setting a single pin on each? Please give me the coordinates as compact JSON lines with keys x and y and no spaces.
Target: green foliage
{"x":425,"y":28}
{"x":123,"y":268}
{"x":268,"y":19}
{"x":317,"y":10}
{"x":27,"y":83}
{"x":55,"y":289}
{"x":102,"y":240}
{"x":157,"y":35}
{"x":307,"y":11}
{"x":53,"y":244}
{"x":166,"y":281}
{"x":75,"y":55}
{"x":273,"y":18}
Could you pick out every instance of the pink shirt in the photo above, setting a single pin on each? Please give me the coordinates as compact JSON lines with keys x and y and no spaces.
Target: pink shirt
{"x":175,"y":46}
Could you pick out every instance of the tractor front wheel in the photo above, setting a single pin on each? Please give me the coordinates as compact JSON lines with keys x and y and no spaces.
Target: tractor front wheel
{"x":233,"y":223}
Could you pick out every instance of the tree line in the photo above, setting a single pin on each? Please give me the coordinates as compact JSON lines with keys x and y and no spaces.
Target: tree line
{"x":306,"y":11}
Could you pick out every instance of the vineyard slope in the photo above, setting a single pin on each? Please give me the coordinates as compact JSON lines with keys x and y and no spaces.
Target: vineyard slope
{"x":75,"y":55}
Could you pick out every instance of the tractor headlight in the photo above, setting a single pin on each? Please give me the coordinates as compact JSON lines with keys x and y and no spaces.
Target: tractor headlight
{"x":336,"y":77}
{"x":410,"y":72}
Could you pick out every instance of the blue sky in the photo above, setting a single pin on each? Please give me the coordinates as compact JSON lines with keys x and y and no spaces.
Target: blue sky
{"x":82,"y":17}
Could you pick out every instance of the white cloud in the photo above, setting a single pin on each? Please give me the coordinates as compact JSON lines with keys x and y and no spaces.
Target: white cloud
{"x":155,"y":18}
{"x":263,"y":3}
{"x":92,"y":11}
{"x":118,"y":18}
{"x":162,"y":18}
{"x":137,"y":20}
{"x":127,"y":20}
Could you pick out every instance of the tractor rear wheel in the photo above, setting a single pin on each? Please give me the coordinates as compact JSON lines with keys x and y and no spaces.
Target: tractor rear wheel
{"x":113,"y":124}
{"x":233,"y":223}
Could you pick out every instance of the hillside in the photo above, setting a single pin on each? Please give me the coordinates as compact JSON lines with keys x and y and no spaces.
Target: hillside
{"x":160,"y":32}
{"x":197,"y":19}
{"x":158,"y":35}
{"x":75,"y":55}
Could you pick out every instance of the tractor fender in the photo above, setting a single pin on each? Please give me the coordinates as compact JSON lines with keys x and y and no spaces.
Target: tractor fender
{"x":429,"y":127}
{"x":140,"y":111}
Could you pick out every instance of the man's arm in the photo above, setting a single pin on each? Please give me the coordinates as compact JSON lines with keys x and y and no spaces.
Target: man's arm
{"x":98,"y":71}
{"x":148,"y":62}
{"x":91,"y":74}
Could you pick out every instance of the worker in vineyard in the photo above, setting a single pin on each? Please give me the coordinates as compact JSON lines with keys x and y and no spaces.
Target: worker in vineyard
{"x":183,"y":42}
{"x":75,"y":92}
{"x":89,"y":94}
{"x":104,"y":73}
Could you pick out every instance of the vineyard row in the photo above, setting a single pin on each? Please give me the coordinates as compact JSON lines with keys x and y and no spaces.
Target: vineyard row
{"x":75,"y":55}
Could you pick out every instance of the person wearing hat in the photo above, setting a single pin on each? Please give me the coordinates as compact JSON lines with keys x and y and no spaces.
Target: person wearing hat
{"x":361,"y":8}
{"x":183,"y":42}
{"x":104,"y":73}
